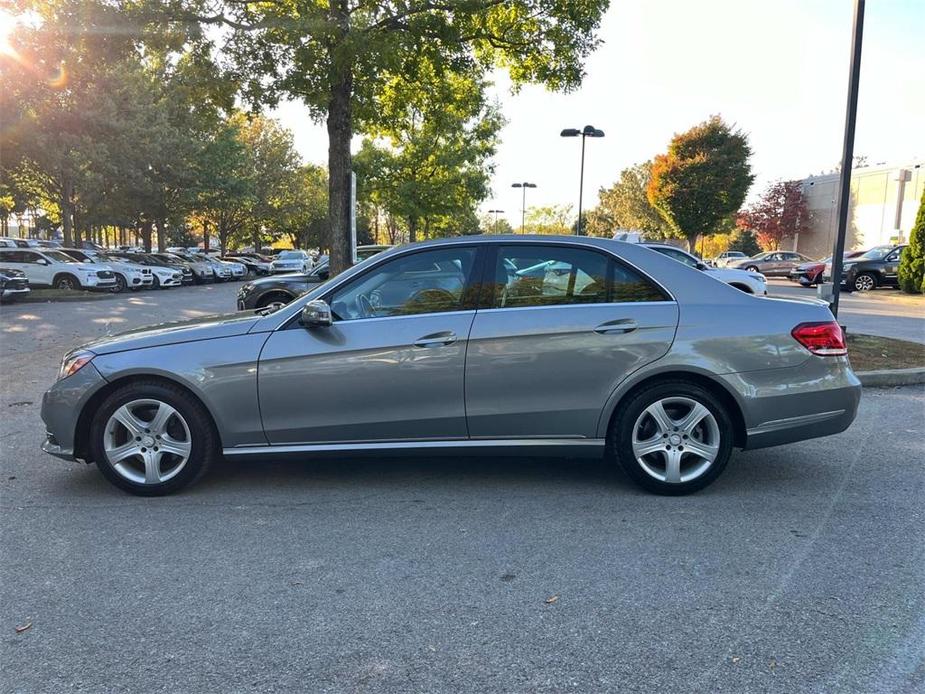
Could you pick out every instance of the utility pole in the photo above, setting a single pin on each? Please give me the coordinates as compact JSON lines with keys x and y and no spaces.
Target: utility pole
{"x":847,"y":159}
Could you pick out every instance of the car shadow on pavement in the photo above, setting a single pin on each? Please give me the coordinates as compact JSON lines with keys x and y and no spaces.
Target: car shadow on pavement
{"x":779,"y":471}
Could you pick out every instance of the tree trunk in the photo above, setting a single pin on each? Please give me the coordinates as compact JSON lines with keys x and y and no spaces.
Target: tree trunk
{"x":257,"y":246}
{"x":161,"y":235}
{"x":146,"y":235}
{"x":66,"y":220}
{"x":412,"y":229}
{"x":205,"y":236}
{"x":340,"y":130}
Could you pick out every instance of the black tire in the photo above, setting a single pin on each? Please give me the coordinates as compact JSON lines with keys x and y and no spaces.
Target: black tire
{"x":752,"y":268}
{"x":272,"y":298}
{"x":66,"y":282}
{"x":865,"y":282}
{"x":121,"y":285}
{"x":156,"y":284}
{"x":205,"y":446}
{"x":620,"y":436}
{"x":742,"y":288}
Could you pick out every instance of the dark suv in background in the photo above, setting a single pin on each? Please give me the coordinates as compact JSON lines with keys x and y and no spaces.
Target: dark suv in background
{"x":879,"y":267}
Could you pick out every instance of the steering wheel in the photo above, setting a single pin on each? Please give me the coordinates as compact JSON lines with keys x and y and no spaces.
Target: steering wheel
{"x":365,"y":306}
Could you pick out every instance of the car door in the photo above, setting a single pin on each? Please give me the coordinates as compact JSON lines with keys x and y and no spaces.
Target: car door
{"x":38,"y":269}
{"x":391,"y":367}
{"x":891,"y":267}
{"x":561,"y":327}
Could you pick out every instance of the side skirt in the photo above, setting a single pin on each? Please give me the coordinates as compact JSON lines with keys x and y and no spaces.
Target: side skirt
{"x":575,"y":448}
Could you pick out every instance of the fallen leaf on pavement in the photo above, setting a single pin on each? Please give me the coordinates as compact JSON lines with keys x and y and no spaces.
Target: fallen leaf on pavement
{"x":550,"y":600}
{"x":23,"y":627}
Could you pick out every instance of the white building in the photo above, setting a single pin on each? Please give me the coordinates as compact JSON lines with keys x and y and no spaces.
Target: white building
{"x":884,"y":202}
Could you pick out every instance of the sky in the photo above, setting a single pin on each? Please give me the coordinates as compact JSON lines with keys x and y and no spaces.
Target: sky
{"x":777,"y":70}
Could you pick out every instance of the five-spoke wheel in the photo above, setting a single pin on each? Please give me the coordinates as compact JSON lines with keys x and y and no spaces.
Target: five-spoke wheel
{"x":673,"y":437}
{"x":151,"y":437}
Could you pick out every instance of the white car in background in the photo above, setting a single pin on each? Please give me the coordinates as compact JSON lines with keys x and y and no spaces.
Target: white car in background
{"x":223,"y":271}
{"x":748,"y":282}
{"x":293,"y":261}
{"x":726,"y":257}
{"x":128,"y":275}
{"x":52,"y":268}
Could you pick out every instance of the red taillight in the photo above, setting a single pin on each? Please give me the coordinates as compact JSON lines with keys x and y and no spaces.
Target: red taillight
{"x":825,"y":339}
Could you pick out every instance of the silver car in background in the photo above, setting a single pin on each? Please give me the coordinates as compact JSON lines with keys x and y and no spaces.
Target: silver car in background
{"x":503,"y":344}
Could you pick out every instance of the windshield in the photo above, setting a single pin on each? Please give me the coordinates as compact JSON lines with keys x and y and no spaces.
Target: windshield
{"x":876,"y":253}
{"x":290,"y":255}
{"x":60,"y":257}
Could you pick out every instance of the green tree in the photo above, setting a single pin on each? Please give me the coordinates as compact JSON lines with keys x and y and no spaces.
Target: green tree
{"x":549,"y":219}
{"x":488,"y":225}
{"x":912,"y":262}
{"x":626,"y":206}
{"x":337,"y":55}
{"x":702,"y":180}
{"x":431,"y":161}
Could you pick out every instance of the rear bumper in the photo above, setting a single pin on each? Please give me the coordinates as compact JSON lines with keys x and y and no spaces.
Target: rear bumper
{"x":818,"y":398}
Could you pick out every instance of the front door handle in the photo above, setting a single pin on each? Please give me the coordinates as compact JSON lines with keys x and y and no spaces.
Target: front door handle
{"x":436,"y":339}
{"x":612,"y":327}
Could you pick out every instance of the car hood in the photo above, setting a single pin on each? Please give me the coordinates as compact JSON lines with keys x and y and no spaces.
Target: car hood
{"x":291,"y":278}
{"x":206,"y":328}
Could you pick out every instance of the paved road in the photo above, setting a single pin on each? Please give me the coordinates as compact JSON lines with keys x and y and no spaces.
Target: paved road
{"x":885,"y":312}
{"x":800,"y":570}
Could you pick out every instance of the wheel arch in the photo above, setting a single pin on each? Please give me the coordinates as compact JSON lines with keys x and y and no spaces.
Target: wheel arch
{"x":82,"y":429}
{"x":276,"y":292}
{"x":632,"y":386}
{"x":65,"y":273}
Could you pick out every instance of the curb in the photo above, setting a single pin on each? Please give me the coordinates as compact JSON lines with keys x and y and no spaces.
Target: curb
{"x":885,"y":378}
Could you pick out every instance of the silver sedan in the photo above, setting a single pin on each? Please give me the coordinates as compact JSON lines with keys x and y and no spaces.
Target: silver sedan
{"x":516,"y":345}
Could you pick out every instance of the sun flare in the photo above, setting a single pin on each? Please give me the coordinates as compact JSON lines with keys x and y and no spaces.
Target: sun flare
{"x":7,"y":26}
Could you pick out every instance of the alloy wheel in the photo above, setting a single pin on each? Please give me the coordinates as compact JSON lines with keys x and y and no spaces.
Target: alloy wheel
{"x":864,"y":283}
{"x":147,"y":441}
{"x":676,"y":439}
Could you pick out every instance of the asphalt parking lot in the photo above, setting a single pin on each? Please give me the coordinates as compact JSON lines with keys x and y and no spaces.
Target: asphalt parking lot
{"x":800,"y":570}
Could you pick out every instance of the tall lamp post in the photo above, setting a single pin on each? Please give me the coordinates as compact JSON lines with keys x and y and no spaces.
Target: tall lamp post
{"x":523,"y":202}
{"x":586,"y":132}
{"x":496,"y":213}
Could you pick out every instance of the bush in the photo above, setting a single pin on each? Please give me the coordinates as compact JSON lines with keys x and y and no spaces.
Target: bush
{"x":912,"y":262}
{"x":746,"y":242}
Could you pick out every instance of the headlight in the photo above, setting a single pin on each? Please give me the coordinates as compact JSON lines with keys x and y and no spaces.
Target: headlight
{"x":847,"y":266}
{"x":74,"y":362}
{"x":246,"y":288}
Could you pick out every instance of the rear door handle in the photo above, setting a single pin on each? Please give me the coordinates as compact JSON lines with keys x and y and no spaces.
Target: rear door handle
{"x":612,"y":327}
{"x":436,"y":339}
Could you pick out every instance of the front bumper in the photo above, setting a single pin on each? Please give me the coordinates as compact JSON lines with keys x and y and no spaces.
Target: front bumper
{"x":61,"y":408}
{"x":14,"y":293}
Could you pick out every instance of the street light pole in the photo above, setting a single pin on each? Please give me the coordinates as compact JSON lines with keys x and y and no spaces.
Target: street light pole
{"x":523,"y":202}
{"x":586,"y":132}
{"x":844,"y":184}
{"x":496,"y":213}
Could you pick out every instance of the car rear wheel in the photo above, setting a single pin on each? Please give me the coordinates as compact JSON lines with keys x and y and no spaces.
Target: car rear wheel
{"x":66,"y":282}
{"x":152,"y":438}
{"x":864,"y":282}
{"x":672,"y":438}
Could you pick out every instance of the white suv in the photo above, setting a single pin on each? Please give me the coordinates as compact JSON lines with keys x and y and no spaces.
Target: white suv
{"x":748,"y":282}
{"x":52,"y":268}
{"x":128,"y":275}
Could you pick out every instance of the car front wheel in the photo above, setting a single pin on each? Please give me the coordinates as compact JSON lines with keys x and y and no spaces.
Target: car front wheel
{"x":752,"y":268}
{"x":864,"y":282}
{"x":152,"y":438}
{"x":672,"y":438}
{"x":66,"y":282}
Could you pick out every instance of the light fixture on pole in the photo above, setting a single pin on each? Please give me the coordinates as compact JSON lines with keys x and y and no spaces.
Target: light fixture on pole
{"x":523,"y":202}
{"x":586,"y":132}
{"x":496,"y":213}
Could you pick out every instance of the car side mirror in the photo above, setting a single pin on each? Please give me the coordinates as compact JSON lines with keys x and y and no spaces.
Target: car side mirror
{"x":316,"y":314}
{"x":42,"y":261}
